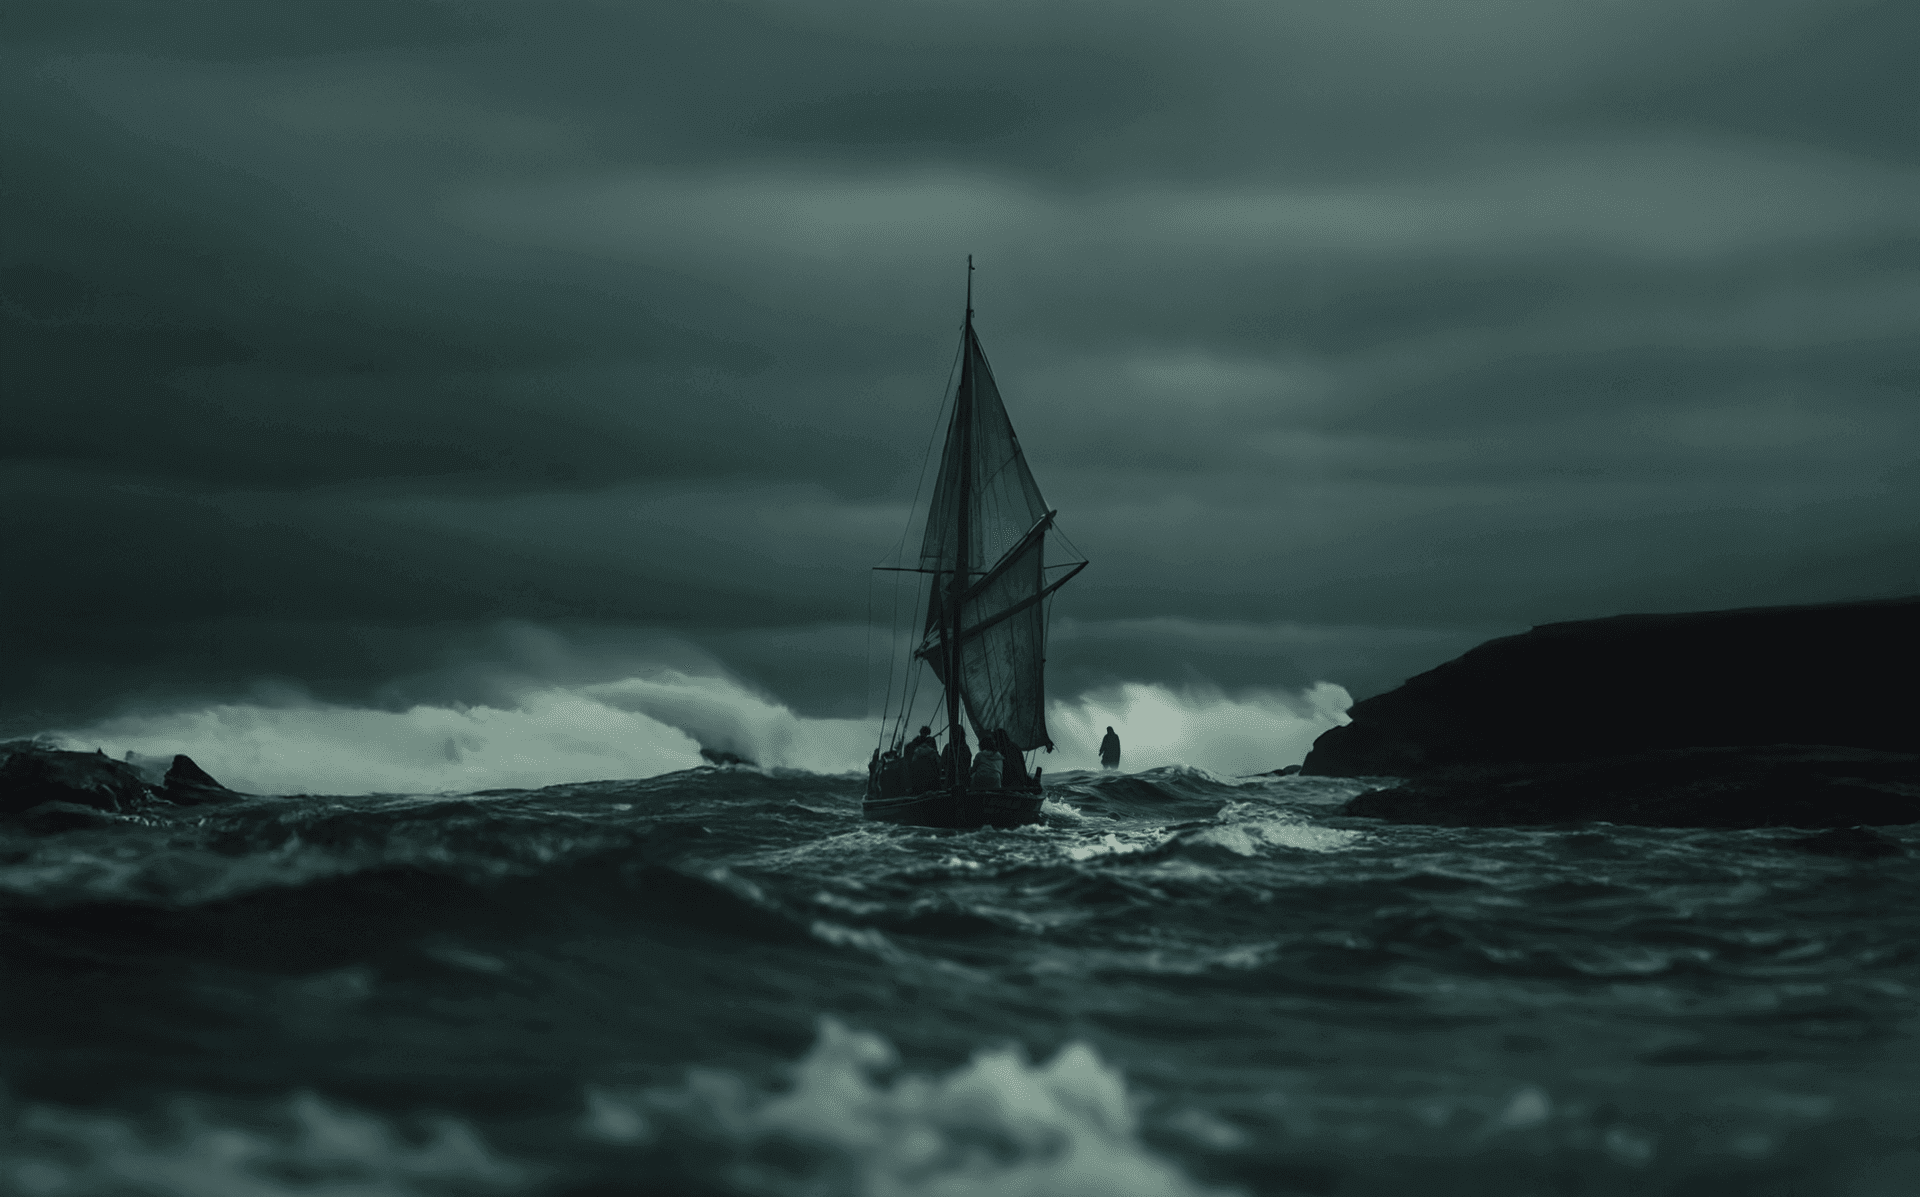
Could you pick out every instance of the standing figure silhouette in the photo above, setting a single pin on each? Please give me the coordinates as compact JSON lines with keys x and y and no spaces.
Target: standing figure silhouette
{"x":1110,"y":751}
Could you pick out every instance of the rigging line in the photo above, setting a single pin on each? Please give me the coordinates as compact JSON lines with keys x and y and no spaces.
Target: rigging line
{"x":900,"y":717}
{"x":909,"y":694}
{"x":999,"y":470}
{"x":912,"y":677}
{"x":909,"y":684}
{"x":1046,"y":638}
{"x":906,"y":711}
{"x":913,"y":569}
{"x":893,"y":638}
{"x":1063,"y":536}
{"x":887,"y":713}
{"x":868,"y":675}
{"x":893,"y":646}
{"x":905,"y":714}
{"x":901,"y":545}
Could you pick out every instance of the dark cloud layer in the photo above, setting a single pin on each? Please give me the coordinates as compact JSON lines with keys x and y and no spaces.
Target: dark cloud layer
{"x":380,"y":352}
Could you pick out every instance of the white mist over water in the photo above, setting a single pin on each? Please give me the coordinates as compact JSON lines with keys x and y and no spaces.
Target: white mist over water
{"x":646,"y":725}
{"x":1202,"y":728}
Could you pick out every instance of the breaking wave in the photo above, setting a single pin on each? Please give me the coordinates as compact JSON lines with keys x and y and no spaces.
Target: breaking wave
{"x":1224,"y":985}
{"x":852,"y":1120}
{"x":644,"y":726}
{"x":305,"y":1145}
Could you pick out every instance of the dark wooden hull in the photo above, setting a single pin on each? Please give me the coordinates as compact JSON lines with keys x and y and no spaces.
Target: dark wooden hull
{"x":943,"y":808}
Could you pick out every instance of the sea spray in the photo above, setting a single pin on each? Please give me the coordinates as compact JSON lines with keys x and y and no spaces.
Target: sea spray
{"x":851,"y":1119}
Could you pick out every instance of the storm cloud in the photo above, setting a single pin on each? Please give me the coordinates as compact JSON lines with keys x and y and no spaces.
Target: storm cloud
{"x":407,"y":353}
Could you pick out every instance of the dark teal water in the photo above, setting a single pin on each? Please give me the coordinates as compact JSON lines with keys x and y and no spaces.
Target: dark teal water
{"x":724,"y":982}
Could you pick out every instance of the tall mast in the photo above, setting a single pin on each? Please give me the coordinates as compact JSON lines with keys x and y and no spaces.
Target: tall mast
{"x":962,"y":565}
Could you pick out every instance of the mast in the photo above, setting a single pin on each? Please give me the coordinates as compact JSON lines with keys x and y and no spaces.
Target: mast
{"x":962,"y":567}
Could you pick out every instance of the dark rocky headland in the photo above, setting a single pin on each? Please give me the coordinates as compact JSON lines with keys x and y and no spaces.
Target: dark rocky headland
{"x":46,"y":785}
{"x":1777,"y":716}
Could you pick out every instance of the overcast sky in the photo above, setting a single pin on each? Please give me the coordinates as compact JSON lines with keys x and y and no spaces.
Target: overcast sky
{"x":370,"y":353}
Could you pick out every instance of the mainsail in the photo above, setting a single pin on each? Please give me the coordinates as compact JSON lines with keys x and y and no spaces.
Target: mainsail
{"x":986,"y":508}
{"x":1004,"y":499}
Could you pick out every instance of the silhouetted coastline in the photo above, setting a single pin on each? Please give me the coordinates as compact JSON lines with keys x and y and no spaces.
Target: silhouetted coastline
{"x":44,"y":782}
{"x":1795,"y":716}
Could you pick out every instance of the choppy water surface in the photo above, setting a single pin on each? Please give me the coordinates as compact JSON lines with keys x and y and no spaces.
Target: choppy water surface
{"x":725,"y":982}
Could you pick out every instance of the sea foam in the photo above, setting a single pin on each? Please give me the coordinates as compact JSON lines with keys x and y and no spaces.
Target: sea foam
{"x":306,"y":1147}
{"x":1245,"y":828}
{"x":852,"y":1121}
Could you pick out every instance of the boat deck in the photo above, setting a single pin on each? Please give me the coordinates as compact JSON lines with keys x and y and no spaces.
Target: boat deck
{"x":944,"y":808}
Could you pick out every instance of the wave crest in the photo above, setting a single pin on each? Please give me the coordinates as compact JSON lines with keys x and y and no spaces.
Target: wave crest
{"x":308,"y":1146}
{"x":996,"y":1125}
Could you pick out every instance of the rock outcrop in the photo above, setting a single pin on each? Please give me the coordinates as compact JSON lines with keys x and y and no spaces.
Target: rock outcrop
{"x":32,"y":774}
{"x":1607,"y":719}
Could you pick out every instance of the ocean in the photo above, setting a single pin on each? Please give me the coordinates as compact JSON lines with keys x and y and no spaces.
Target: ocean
{"x":723,"y":981}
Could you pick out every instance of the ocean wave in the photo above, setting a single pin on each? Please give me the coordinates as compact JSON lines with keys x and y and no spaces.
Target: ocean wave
{"x":1056,"y":811}
{"x":852,"y":1120}
{"x":1303,"y":1002}
{"x":1113,"y":843}
{"x":1242,"y":828}
{"x":400,"y":915}
{"x":303,"y":1146}
{"x":1247,"y":828}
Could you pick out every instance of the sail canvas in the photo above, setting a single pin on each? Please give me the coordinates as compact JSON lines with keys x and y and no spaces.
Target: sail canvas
{"x":985,"y":547}
{"x":1002,"y":627}
{"x":1003,"y":499}
{"x":1003,"y":646}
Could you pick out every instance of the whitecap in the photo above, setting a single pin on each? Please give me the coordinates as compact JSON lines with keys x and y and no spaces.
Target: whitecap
{"x":1207,"y":1130}
{"x":610,"y":1119}
{"x":1528,"y":1108}
{"x":864,"y":939}
{"x":1053,"y":808}
{"x":1113,"y":844}
{"x":1245,"y":828}
{"x":996,"y":1125}
{"x":54,"y":1151}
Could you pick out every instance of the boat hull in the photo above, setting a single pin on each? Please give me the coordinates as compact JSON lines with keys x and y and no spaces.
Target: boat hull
{"x":944,"y":808}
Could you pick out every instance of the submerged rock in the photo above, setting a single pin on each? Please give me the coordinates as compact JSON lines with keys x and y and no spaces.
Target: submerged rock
{"x":1784,"y":785}
{"x":32,"y":774}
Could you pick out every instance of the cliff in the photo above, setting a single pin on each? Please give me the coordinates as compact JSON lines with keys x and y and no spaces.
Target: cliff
{"x":1835,"y":673}
{"x":1592,"y":709}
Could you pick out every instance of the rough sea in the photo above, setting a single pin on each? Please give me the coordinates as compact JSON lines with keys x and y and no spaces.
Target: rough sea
{"x":723,"y":981}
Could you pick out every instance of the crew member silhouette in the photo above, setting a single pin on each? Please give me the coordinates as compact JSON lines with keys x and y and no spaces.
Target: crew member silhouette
{"x":923,"y":763}
{"x":957,"y":760}
{"x":1013,"y":773}
{"x":988,"y":763}
{"x":1110,"y":751}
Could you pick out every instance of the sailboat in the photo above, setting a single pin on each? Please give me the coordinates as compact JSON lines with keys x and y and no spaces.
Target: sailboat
{"x":984,"y":640}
